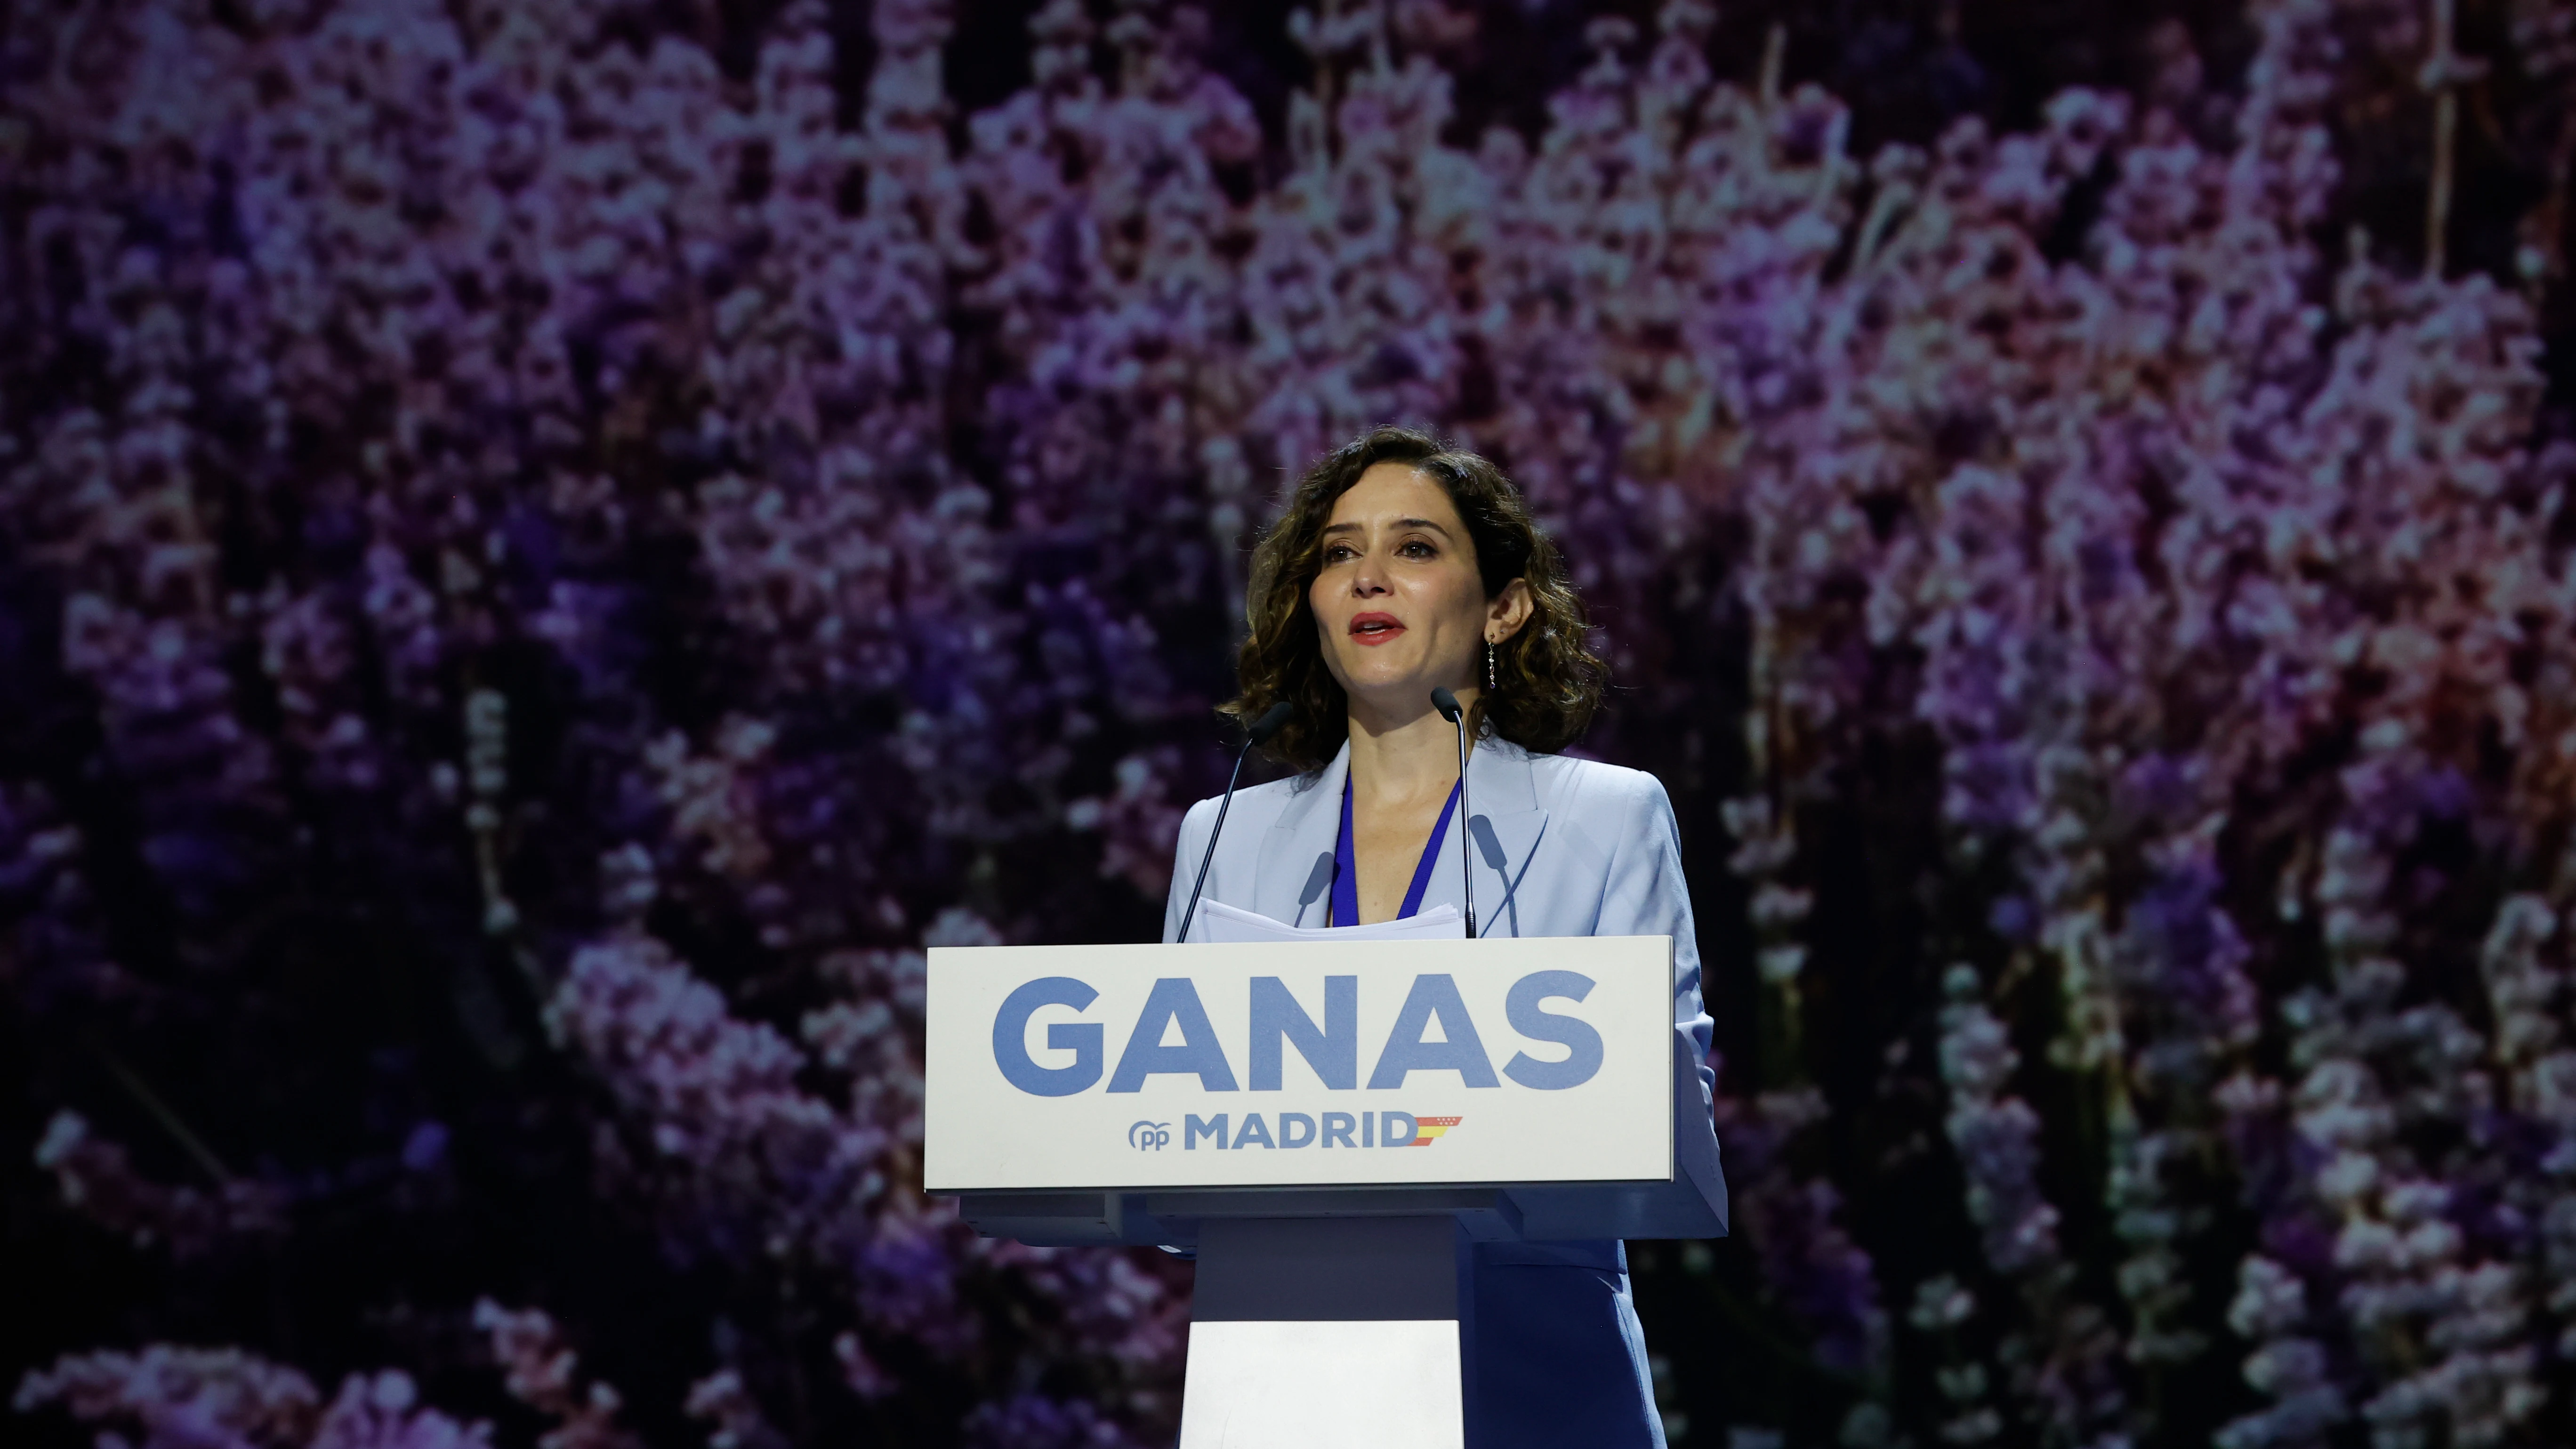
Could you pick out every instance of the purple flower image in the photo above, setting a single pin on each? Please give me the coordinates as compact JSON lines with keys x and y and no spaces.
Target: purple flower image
{"x":549,"y":550}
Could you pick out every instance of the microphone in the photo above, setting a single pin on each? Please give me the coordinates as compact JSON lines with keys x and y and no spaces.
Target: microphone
{"x":1272,"y":721}
{"x":1447,"y":703}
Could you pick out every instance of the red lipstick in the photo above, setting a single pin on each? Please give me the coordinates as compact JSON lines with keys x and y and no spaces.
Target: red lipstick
{"x":1374,"y":628}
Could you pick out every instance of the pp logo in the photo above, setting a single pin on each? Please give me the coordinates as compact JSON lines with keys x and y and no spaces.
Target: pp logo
{"x":1150,"y":1136}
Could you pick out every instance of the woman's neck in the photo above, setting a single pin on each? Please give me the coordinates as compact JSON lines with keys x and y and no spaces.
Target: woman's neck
{"x":1404,"y":759}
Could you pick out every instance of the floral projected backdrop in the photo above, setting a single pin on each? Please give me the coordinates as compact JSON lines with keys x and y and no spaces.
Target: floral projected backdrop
{"x":549,"y":547}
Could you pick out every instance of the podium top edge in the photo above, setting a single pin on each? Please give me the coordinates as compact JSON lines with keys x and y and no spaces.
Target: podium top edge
{"x":1407,"y":943}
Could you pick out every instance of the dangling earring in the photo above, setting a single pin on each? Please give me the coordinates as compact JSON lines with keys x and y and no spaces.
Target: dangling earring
{"x":1489,"y":666}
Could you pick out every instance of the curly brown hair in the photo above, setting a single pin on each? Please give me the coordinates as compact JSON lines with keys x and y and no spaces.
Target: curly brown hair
{"x":1549,"y":682}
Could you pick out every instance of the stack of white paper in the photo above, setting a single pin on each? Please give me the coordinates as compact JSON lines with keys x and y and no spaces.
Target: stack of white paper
{"x":1220,"y":922}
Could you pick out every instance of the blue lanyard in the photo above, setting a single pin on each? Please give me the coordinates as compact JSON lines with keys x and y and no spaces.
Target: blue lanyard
{"x":1346,"y":876}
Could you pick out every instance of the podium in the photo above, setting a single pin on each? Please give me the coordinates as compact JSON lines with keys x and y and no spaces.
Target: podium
{"x":1331,"y":1127}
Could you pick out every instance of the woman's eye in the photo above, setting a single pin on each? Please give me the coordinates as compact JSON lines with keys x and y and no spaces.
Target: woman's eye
{"x":1336,"y":553}
{"x":1416,"y":548}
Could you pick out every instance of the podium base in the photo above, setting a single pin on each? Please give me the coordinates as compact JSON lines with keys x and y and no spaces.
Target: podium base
{"x":1324,"y":1385}
{"x":1317,"y":1333}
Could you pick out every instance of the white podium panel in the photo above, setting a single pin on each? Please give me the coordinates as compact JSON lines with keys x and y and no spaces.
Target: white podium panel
{"x":1293,"y":1064}
{"x":1353,"y":1384}
{"x":1335,"y":1126}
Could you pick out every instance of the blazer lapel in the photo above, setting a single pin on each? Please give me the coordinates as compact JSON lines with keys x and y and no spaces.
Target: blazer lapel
{"x":1293,"y":880}
{"x":1503,"y":834}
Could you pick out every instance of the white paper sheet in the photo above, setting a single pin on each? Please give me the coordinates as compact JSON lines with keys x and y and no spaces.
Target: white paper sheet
{"x":1220,"y":922}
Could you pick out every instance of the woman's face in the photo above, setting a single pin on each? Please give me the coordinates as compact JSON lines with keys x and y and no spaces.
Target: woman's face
{"x":1399,"y":602}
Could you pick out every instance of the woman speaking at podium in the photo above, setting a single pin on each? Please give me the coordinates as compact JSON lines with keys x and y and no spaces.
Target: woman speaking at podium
{"x":1398,"y":568}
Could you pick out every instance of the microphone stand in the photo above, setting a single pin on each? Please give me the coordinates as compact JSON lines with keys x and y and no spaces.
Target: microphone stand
{"x":1272,"y":719}
{"x":1447,"y":703}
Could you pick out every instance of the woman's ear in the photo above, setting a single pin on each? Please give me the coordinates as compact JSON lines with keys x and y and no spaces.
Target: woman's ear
{"x":1508,"y":611}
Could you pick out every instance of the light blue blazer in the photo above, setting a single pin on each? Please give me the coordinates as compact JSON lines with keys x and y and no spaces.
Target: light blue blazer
{"x":1562,"y":847}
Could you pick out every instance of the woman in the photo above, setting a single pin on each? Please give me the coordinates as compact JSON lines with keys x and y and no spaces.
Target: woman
{"x":1399,"y":567}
